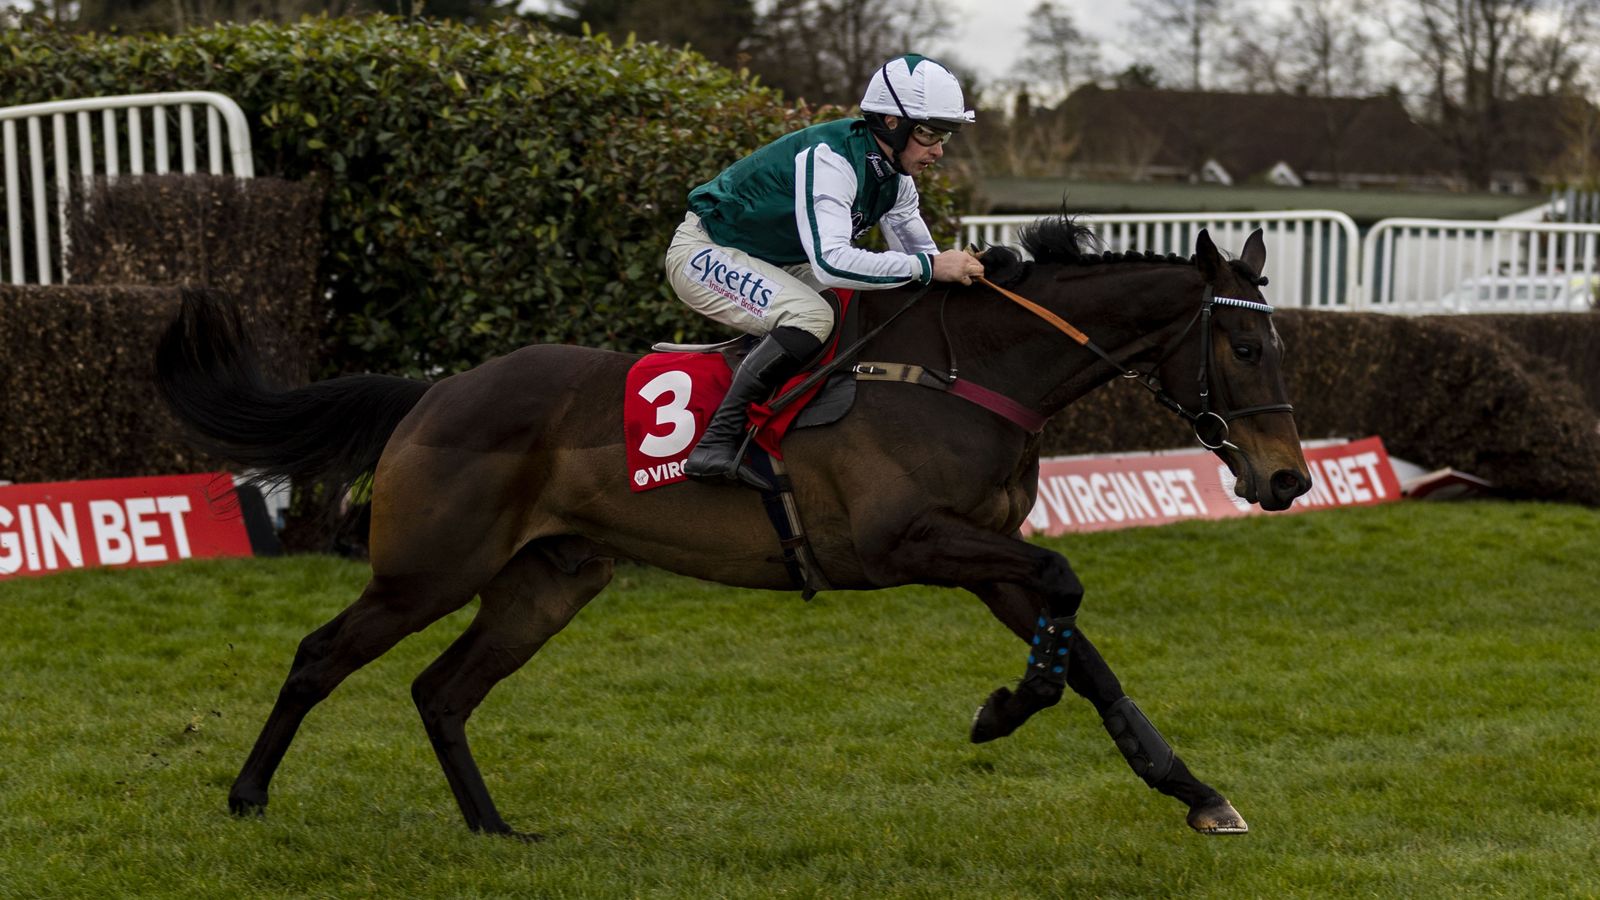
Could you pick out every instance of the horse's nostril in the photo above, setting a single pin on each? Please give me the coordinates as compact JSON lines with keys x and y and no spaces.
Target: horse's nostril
{"x":1289,"y":484}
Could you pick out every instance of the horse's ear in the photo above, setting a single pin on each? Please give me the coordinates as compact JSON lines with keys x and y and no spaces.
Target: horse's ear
{"x":1255,"y":253}
{"x":1206,"y":256}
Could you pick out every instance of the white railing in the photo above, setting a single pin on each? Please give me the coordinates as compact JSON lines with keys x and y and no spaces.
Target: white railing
{"x":1453,"y":266}
{"x":76,"y":147}
{"x":1312,"y":255}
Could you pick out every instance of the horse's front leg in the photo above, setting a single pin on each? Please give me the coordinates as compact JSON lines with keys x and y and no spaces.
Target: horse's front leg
{"x":1088,"y":674}
{"x":1036,"y":594}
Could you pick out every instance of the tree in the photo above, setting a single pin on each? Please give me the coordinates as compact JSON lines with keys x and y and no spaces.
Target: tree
{"x":719,"y":29}
{"x":1060,"y":56}
{"x":1137,"y":77}
{"x":1321,"y":48}
{"x":1475,"y":57}
{"x":826,"y":50}
{"x":171,"y":16}
{"x":1187,"y":31}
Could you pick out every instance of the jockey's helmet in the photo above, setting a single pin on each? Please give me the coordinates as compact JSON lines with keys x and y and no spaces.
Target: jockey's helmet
{"x":918,"y":91}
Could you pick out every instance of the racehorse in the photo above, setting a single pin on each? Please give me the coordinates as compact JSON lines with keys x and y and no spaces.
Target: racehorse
{"x":508,"y":482}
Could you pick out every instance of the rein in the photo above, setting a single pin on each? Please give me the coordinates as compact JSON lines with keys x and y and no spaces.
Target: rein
{"x":1210,"y":426}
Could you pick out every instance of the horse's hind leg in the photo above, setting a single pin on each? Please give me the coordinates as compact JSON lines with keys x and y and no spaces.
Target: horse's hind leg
{"x":534,"y":597}
{"x":1091,"y":677}
{"x":388,"y":610}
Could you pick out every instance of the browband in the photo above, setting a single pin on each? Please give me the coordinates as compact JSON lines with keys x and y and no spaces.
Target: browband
{"x":1242,"y":304}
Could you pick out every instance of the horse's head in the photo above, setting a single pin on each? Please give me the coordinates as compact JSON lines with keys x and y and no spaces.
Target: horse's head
{"x":1227,"y":373}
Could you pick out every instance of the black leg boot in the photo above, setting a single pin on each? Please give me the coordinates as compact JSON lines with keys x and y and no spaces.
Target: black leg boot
{"x":779,"y":355}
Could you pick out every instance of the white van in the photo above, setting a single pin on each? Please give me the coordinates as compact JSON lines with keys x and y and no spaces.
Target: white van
{"x":1524,"y":293}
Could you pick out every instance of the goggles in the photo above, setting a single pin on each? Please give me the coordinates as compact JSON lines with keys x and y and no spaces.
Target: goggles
{"x":929,"y":137}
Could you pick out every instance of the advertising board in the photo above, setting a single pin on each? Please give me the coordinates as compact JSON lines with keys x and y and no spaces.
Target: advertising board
{"x":1093,"y":493}
{"x":118,"y":522}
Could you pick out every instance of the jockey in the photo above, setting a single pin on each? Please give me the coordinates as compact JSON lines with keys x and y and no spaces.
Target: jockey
{"x":763,"y":239}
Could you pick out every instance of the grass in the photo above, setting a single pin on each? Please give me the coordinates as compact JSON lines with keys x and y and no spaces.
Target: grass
{"x":1401,"y":700}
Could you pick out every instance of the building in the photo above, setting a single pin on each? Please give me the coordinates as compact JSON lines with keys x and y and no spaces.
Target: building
{"x":1236,"y":139}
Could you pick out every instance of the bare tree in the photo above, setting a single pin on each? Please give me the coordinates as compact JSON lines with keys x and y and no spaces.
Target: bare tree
{"x":1321,"y":48}
{"x":720,"y":29}
{"x":1560,"y":49}
{"x":1187,"y":35}
{"x":1474,"y":57}
{"x":176,"y":15}
{"x":1060,"y":56}
{"x":826,"y":50}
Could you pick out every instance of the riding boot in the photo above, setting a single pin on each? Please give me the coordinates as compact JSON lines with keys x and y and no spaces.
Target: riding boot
{"x":765,"y":368}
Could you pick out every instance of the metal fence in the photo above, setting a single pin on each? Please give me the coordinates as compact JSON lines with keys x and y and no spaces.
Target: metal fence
{"x":1414,"y":266}
{"x":1453,"y":266}
{"x":1312,"y":255}
{"x":1572,"y":205}
{"x":79,"y":140}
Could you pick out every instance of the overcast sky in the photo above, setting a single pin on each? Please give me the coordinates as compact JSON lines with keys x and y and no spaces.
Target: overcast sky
{"x":993,"y":33}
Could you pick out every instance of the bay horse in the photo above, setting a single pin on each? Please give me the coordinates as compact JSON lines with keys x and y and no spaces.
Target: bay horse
{"x":507,"y":482}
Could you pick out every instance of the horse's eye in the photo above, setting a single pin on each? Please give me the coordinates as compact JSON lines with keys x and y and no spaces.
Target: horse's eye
{"x":1247,"y":352}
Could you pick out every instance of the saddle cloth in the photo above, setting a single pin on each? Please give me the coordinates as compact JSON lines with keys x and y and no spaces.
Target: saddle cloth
{"x":671,"y":396}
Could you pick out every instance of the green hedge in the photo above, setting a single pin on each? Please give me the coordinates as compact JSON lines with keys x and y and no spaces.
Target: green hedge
{"x":1488,"y":395}
{"x":486,"y":188}
{"x":77,"y":382}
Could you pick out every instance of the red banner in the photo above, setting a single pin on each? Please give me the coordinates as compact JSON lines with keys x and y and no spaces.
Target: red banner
{"x":1102,"y":492}
{"x":118,"y":522}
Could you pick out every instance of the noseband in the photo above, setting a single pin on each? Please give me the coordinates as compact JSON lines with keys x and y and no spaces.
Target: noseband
{"x":1210,"y":426}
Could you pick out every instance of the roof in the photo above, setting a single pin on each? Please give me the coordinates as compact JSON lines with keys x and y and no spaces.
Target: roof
{"x":1044,"y":195}
{"x":1547,"y":136}
{"x":1248,"y":133}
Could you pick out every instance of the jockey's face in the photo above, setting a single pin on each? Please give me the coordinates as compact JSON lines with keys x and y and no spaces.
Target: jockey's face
{"x":917,"y":157}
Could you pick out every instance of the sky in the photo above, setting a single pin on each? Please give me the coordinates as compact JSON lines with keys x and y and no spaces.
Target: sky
{"x":996,"y":32}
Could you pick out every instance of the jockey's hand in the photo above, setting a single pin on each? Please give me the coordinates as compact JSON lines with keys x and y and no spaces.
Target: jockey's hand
{"x":956,"y":265}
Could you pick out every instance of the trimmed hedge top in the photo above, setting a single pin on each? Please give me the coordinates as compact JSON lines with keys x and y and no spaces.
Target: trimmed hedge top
{"x":486,"y":187}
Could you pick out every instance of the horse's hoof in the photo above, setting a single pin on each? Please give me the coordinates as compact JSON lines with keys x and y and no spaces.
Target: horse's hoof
{"x":989,"y":723}
{"x":1217,"y":817}
{"x":506,"y":831}
{"x":245,"y":806}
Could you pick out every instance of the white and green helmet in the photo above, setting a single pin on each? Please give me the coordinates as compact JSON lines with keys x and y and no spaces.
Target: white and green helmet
{"x":917,"y":88}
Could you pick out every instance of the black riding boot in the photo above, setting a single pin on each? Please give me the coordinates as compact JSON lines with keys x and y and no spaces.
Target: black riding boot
{"x":767,"y":366}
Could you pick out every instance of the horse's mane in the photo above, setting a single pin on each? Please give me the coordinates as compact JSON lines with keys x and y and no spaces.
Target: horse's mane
{"x":1061,"y":240}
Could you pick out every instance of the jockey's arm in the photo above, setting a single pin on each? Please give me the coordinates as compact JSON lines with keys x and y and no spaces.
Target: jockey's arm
{"x":825,"y":188}
{"x":903,"y":228}
{"x":905,"y":231}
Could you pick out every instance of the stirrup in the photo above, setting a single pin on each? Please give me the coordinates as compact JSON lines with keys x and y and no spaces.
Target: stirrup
{"x":736,"y":470}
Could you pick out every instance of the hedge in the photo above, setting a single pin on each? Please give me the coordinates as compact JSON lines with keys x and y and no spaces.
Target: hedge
{"x":256,"y":239}
{"x":1453,"y":391}
{"x":486,"y":187}
{"x":77,"y":392}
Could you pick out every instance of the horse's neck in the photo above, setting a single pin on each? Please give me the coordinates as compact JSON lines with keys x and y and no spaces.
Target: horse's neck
{"x":1131,"y":311}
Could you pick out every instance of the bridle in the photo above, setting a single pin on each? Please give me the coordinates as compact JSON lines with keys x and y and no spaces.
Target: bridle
{"x":1210,"y":425}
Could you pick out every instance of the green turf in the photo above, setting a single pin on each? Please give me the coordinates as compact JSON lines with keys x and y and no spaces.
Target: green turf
{"x":1402,"y":701}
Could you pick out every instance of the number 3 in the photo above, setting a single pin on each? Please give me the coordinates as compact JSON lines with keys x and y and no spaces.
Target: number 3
{"x":674,"y":412}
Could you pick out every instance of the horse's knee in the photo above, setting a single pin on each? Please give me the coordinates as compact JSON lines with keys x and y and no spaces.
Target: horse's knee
{"x":305,"y":686}
{"x":316,"y":645}
{"x":1064,"y":590}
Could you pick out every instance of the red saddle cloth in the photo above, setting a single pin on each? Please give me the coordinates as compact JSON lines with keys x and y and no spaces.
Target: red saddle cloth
{"x":670,"y":398}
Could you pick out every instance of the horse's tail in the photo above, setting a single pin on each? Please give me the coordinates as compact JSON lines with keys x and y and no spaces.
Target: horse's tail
{"x":330,"y":432}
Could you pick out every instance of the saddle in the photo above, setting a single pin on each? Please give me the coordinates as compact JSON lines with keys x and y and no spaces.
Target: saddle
{"x":822,"y":406}
{"x":679,"y":386}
